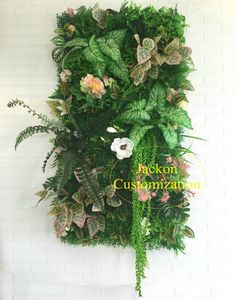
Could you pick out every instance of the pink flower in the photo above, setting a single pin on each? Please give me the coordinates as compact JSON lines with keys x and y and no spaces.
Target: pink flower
{"x":92,"y":86}
{"x":169,"y":159}
{"x":165,"y":197}
{"x":64,"y":75}
{"x":70,"y":11}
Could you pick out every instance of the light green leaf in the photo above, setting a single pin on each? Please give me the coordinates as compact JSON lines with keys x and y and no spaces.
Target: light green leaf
{"x":170,"y":136}
{"x":136,"y":105}
{"x":118,"y":70}
{"x":157,"y":99}
{"x":179,"y":116}
{"x":172,"y":46}
{"x":117,"y":35}
{"x":114,"y":201}
{"x":77,"y":42}
{"x":149,"y":44}
{"x":58,"y":40}
{"x":111,"y":49}
{"x":143,"y":55}
{"x":137,"y":133}
{"x":133,"y":116}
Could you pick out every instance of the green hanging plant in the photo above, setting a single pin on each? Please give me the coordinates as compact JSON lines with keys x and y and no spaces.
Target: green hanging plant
{"x":118,"y":122}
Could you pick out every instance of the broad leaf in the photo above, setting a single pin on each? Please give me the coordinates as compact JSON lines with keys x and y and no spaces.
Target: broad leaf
{"x":79,"y":219}
{"x":58,"y":40}
{"x":101,"y":221}
{"x":138,"y":74}
{"x":143,"y":55}
{"x":100,"y":15}
{"x":133,"y":116}
{"x":79,"y":196}
{"x":185,"y":52}
{"x":173,"y":59}
{"x":149,"y":44}
{"x":61,"y":222}
{"x":179,"y":116}
{"x":114,"y":201}
{"x":93,"y":226}
{"x":119,"y":70}
{"x":137,"y":133}
{"x":153,"y":72}
{"x":117,"y":35}
{"x":110,"y":190}
{"x":157,"y":99}
{"x":170,"y":136}
{"x":111,"y":49}
{"x":172,"y":46}
{"x":140,"y":104}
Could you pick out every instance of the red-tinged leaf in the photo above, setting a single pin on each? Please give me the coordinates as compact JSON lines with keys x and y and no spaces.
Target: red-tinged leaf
{"x":143,"y":55}
{"x":185,"y":52}
{"x":79,"y":196}
{"x":174,"y":59}
{"x":172,"y":46}
{"x":101,"y":221}
{"x":61,"y":221}
{"x":93,"y":226}
{"x":114,"y":201}
{"x":149,"y":44}
{"x":79,"y":219}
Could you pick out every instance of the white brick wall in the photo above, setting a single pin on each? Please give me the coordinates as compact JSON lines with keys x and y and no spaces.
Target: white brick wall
{"x":33,"y":265}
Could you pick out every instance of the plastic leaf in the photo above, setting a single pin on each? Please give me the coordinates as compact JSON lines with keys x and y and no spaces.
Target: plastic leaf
{"x":172,"y":46}
{"x":79,"y":219}
{"x":138,"y":132}
{"x":188,"y":232}
{"x":157,"y":99}
{"x":93,"y":226}
{"x":170,"y":136}
{"x":114,"y":201}
{"x":101,"y":221}
{"x":185,"y":52}
{"x":149,"y":44}
{"x":174,"y":59}
{"x":153,"y":72}
{"x":179,"y":116}
{"x":143,"y":55}
{"x":61,"y":221}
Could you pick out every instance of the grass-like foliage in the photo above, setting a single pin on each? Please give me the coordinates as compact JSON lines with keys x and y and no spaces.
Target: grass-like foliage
{"x":118,"y":107}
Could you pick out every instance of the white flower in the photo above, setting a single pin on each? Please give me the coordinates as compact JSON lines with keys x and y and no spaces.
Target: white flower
{"x":123,"y":147}
{"x":111,"y":130}
{"x":64,"y":75}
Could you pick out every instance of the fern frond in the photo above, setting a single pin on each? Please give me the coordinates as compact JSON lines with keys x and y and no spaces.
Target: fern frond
{"x":90,"y":183}
{"x":49,"y":154}
{"x":54,"y":124}
{"x":66,"y":163}
{"x":28,"y":132}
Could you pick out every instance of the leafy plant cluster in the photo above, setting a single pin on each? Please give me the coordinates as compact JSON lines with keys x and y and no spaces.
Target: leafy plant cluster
{"x":126,"y":70}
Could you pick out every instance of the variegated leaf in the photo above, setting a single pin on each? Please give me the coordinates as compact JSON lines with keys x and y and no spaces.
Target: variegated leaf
{"x":93,"y":226}
{"x":100,"y":16}
{"x":138,"y":74}
{"x":143,"y":55}
{"x":153,"y":72}
{"x":42,"y":194}
{"x":157,"y":59}
{"x":88,"y":201}
{"x":157,"y":39}
{"x":95,"y":208}
{"x":185,"y":52}
{"x":61,"y":221}
{"x":147,"y":66}
{"x":172,"y":46}
{"x":79,"y":219}
{"x":101,"y":221}
{"x":149,"y":44}
{"x":174,"y":59}
{"x":79,"y":196}
{"x":110,"y":190}
{"x":114,"y":201}
{"x":70,"y":217}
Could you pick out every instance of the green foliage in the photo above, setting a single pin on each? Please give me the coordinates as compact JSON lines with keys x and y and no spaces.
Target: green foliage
{"x":138,"y":67}
{"x":28,"y":132}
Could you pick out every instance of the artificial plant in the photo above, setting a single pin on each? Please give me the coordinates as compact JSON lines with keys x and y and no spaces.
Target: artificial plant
{"x":122,"y":81}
